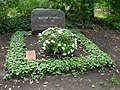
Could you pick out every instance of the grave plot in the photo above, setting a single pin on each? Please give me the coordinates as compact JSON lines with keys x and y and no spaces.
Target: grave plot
{"x":17,"y":64}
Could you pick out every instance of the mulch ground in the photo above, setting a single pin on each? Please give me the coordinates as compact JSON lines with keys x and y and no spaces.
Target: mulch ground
{"x":108,"y":41}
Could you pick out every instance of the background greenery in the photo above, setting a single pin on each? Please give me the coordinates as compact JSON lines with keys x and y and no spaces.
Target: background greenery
{"x":15,"y":14}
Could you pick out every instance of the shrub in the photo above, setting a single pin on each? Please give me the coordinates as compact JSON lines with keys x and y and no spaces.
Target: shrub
{"x":15,"y":14}
{"x":60,"y":41}
{"x":21,"y":23}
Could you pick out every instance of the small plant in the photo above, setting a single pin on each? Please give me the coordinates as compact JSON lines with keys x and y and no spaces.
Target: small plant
{"x":58,"y":40}
{"x":114,"y":80}
{"x":116,"y":26}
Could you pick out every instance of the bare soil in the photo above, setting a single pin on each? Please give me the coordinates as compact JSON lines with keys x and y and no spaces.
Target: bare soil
{"x":108,"y":41}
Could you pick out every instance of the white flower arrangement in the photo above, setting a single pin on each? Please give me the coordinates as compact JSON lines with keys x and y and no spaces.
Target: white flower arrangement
{"x":60,"y":41}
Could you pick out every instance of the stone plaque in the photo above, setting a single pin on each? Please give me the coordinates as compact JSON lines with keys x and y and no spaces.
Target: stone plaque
{"x":31,"y":55}
{"x":42,"y":19}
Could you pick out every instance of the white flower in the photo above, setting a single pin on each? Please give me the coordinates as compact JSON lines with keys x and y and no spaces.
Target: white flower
{"x":75,"y":41}
{"x":64,"y":44}
{"x":73,"y":45}
{"x":59,"y":44}
{"x":44,"y":31}
{"x":60,"y":32}
{"x":73,"y":34}
{"x":52,"y":41}
{"x":53,"y":35}
{"x":63,"y":48}
{"x":49,"y":28}
{"x":72,"y":50}
{"x":39,"y":34}
{"x":44,"y":44}
{"x":38,"y":40}
{"x":47,"y":41}
{"x":64,"y":54}
{"x":43,"y":48}
{"x":76,"y":46}
{"x":68,"y":52}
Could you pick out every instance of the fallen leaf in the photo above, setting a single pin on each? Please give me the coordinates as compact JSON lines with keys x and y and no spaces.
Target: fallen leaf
{"x":56,"y":85}
{"x":44,"y":85}
{"x":45,"y":82}
{"x":37,"y":81}
{"x":31,"y":82}
{"x":117,"y":71}
{"x":10,"y":89}
{"x":93,"y":86}
{"x":5,"y":86}
{"x":18,"y":86}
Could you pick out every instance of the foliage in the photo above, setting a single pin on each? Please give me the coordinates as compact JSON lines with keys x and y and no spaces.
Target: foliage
{"x":22,"y":7}
{"x":116,"y":26}
{"x":16,"y":53}
{"x":26,"y":6}
{"x":114,"y":80}
{"x":15,"y":14}
{"x":77,"y":11}
{"x":80,"y":12}
{"x":17,"y":65}
{"x":111,"y":12}
{"x":60,"y":41}
{"x":112,"y":6}
{"x":3,"y":12}
{"x":22,"y":23}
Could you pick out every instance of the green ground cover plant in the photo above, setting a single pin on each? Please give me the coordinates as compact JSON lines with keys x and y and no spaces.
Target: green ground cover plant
{"x":17,"y":65}
{"x":114,"y":79}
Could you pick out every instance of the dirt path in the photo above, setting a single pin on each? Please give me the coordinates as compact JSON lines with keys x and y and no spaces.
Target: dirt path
{"x":108,"y":41}
{"x":3,"y":47}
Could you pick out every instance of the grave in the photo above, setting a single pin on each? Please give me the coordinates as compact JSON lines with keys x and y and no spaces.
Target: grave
{"x":42,"y":19}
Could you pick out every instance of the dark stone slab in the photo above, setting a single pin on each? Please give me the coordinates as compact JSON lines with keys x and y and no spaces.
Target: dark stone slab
{"x":42,"y":19}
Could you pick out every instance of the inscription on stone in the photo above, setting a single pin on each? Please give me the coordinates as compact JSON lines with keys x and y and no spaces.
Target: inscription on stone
{"x":42,"y":19}
{"x":30,"y":55}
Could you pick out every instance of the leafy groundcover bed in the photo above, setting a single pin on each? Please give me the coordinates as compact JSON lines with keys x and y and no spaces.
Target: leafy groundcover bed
{"x":17,"y":65}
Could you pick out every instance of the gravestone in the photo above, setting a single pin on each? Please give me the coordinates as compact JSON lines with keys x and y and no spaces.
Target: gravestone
{"x":42,"y":19}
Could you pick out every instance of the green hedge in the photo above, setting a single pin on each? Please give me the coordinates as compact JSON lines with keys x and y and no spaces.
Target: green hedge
{"x":17,"y":65}
{"x":22,"y":23}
